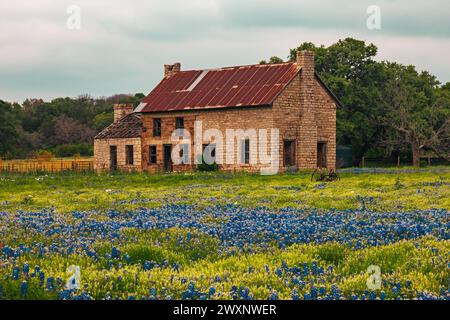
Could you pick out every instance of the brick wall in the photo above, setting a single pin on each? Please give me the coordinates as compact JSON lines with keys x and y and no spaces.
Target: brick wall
{"x":102,"y":154}
{"x":306,"y":113}
{"x":326,"y":122}
{"x":239,"y":118}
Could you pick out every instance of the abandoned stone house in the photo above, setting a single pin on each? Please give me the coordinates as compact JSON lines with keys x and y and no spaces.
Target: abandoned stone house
{"x":289,"y":97}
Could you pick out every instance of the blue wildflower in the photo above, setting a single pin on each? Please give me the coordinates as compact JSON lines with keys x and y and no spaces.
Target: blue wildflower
{"x":23,"y":289}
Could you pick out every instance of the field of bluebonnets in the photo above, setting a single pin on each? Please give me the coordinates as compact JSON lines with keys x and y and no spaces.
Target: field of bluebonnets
{"x":224,"y":236}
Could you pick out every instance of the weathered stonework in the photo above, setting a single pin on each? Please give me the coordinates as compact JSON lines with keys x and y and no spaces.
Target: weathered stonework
{"x":306,"y":112}
{"x":240,"y":118}
{"x":102,"y":158}
{"x":121,"y":110}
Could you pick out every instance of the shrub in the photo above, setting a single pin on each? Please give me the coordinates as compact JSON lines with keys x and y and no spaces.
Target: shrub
{"x":69,"y":150}
{"x":205,"y":167}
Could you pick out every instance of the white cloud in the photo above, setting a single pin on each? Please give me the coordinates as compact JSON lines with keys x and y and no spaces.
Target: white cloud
{"x":121,"y":47}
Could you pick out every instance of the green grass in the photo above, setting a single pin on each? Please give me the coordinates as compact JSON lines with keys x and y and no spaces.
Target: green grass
{"x":70,"y":191}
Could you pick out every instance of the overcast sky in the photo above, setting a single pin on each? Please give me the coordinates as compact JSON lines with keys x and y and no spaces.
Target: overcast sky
{"x":122,"y":45}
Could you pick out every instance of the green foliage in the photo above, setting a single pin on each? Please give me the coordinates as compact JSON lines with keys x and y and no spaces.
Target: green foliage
{"x":69,"y":150}
{"x":398,"y":184}
{"x":388,"y":109}
{"x":27,"y":200}
{"x":272,"y":60}
{"x":207,"y":167}
{"x":8,"y":122}
{"x":175,"y":245}
{"x":416,"y":112}
{"x":65,"y":125}
{"x":332,"y":253}
{"x":102,"y":120}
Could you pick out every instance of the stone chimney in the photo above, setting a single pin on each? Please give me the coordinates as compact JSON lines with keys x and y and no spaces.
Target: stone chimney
{"x":121,"y":110}
{"x":170,"y":69}
{"x":309,"y":105}
{"x":305,"y":59}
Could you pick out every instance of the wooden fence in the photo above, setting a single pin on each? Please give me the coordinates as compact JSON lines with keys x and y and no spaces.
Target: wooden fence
{"x":51,"y":165}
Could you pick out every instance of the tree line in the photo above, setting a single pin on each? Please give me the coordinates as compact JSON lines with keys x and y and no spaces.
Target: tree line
{"x":63,"y":126}
{"x":388,"y":110}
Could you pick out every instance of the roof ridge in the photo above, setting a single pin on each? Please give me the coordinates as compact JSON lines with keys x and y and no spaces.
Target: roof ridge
{"x":239,"y":66}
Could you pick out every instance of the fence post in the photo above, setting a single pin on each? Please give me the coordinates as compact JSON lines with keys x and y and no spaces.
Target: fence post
{"x":398,"y":161}
{"x":362,"y":161}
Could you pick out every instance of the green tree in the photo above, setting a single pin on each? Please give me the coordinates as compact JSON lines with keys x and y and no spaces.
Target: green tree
{"x":416,"y":112}
{"x":8,"y":122}
{"x":102,"y":120}
{"x":272,"y":60}
{"x":138,"y":98}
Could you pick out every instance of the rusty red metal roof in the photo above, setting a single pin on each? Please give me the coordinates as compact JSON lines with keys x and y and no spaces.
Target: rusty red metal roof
{"x":253,"y":85}
{"x":129,"y":126}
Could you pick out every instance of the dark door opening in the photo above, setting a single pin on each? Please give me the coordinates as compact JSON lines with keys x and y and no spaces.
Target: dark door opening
{"x":289,"y":153}
{"x":321,"y":154}
{"x":113,"y":157}
{"x":167,"y":157}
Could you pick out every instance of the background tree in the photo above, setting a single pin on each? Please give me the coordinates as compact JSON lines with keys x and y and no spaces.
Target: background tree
{"x":64,"y":126}
{"x":8,"y":122}
{"x":416,"y":112}
{"x":102,"y":120}
{"x":68,"y":130}
{"x":272,"y":60}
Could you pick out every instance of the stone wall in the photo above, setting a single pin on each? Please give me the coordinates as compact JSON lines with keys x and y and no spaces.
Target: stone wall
{"x":223,"y":119}
{"x":121,"y":110}
{"x":102,"y":154}
{"x":306,"y":112}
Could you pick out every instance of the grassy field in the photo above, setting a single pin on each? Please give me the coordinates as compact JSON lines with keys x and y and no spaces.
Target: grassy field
{"x":396,"y":190}
{"x":221,"y":236}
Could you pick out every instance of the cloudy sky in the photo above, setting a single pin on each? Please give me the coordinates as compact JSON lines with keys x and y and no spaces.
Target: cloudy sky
{"x":122,"y":45}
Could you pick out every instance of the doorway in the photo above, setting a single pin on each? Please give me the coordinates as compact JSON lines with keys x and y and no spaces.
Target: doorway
{"x":167,"y":157}
{"x":113,"y":157}
{"x":321,"y":154}
{"x":289,"y":153}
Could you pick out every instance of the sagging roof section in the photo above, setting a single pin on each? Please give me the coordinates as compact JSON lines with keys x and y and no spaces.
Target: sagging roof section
{"x":129,"y":126}
{"x":253,"y":85}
